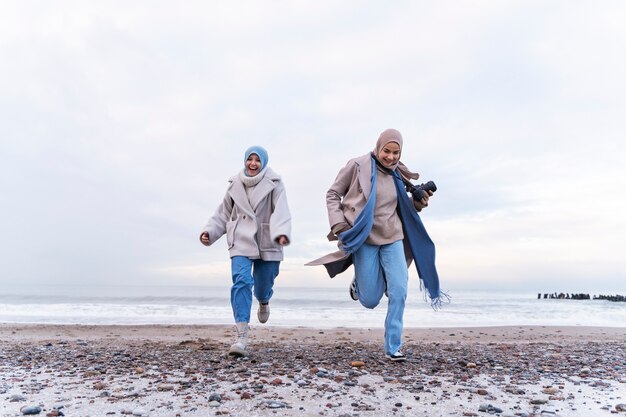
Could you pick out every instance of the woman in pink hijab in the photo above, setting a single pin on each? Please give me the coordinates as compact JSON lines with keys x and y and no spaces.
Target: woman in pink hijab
{"x":364,"y":212}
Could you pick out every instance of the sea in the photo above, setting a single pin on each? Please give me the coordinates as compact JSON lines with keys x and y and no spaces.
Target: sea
{"x":292,"y":307}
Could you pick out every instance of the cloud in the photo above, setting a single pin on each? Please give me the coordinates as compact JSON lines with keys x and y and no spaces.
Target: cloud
{"x":122,"y":123}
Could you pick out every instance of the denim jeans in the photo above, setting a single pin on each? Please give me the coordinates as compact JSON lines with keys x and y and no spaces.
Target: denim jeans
{"x":248,"y":273}
{"x":377,"y":267}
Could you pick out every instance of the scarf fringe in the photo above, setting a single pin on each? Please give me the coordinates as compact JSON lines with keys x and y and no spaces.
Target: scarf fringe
{"x":438,"y":302}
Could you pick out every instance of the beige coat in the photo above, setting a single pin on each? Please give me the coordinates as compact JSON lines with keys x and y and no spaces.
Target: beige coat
{"x":345,"y":199}
{"x":347,"y":196}
{"x":252,"y":227}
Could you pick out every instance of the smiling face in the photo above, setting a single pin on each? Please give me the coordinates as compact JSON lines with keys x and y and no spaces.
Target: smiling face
{"x":253,"y":165}
{"x":389,"y":155}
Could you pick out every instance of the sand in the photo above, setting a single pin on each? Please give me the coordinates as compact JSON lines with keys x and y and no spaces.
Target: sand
{"x":184,"y":371}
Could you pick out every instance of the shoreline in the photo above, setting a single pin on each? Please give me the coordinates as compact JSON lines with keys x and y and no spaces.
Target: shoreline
{"x":177,"y":371}
{"x":223,"y":333}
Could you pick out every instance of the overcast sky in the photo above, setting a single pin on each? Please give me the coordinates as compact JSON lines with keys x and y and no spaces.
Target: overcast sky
{"x":120,"y":123}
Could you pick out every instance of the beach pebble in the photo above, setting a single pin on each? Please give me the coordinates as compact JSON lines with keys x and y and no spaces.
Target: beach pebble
{"x":215,"y":397}
{"x":30,"y":410}
{"x":140,"y":412}
{"x":275,"y":404}
{"x":620,"y":407}
{"x":214,"y":403}
{"x":16,"y":397}
{"x":357,"y":364}
{"x":99,"y":385}
{"x":488,"y":408}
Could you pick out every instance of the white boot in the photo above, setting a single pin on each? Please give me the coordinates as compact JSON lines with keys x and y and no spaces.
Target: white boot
{"x":239,"y":347}
{"x":263,"y":313}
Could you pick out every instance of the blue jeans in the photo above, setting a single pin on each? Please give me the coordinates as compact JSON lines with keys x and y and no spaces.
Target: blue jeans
{"x":375,"y":266}
{"x":261,"y":277}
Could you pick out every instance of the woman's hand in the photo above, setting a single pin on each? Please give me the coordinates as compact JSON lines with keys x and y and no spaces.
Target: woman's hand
{"x":340,"y":228}
{"x":282,"y":240}
{"x":419,"y":205}
{"x":204,"y":238}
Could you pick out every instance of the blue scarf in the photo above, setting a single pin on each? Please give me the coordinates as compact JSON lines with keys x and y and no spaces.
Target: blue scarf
{"x":416,"y":238}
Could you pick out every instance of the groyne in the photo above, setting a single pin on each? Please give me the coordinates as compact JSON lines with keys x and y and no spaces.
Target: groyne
{"x":580,"y":296}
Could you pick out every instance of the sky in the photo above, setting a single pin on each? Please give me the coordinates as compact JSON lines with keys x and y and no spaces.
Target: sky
{"x":121,"y":122}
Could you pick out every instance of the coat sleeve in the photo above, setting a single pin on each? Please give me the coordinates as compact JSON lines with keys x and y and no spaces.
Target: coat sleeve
{"x":280,"y":219}
{"x":216,"y":226}
{"x":336,"y":192}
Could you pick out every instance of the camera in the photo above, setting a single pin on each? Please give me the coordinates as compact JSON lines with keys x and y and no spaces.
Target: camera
{"x":421,"y":190}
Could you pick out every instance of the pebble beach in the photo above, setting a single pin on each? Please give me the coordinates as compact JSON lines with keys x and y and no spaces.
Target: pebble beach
{"x":182,"y":370}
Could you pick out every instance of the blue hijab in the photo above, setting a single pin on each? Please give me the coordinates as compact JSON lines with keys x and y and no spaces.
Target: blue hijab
{"x":260,"y":152}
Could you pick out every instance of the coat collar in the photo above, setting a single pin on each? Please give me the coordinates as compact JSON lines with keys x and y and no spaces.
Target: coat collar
{"x":238,"y":192}
{"x":364,"y":164}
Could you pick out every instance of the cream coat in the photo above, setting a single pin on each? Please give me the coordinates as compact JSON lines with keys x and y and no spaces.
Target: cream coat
{"x":253,"y":227}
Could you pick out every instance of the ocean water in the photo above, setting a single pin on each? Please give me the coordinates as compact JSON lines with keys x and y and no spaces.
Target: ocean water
{"x":308,"y":307}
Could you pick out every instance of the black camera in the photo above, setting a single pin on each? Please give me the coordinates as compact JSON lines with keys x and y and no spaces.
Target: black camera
{"x":421,"y":190}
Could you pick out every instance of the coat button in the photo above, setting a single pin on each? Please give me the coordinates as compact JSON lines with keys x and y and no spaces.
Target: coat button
{"x":244,"y":216}
{"x":360,"y":190}
{"x":353,"y":209}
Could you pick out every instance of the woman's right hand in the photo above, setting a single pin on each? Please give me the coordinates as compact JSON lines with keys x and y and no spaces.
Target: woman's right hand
{"x":204,"y":238}
{"x":340,"y":228}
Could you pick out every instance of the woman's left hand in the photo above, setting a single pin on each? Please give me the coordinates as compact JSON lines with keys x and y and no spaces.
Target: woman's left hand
{"x":282,"y":240}
{"x":419,"y":205}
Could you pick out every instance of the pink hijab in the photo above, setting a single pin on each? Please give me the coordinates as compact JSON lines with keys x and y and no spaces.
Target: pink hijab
{"x":392,"y":135}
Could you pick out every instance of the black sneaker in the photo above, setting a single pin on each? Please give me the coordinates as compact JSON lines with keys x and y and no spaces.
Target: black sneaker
{"x":353,"y":294}
{"x":396,"y":357}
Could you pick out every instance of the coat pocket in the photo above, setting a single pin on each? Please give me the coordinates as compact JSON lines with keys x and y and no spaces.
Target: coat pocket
{"x":266,"y":244}
{"x":230,"y":233}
